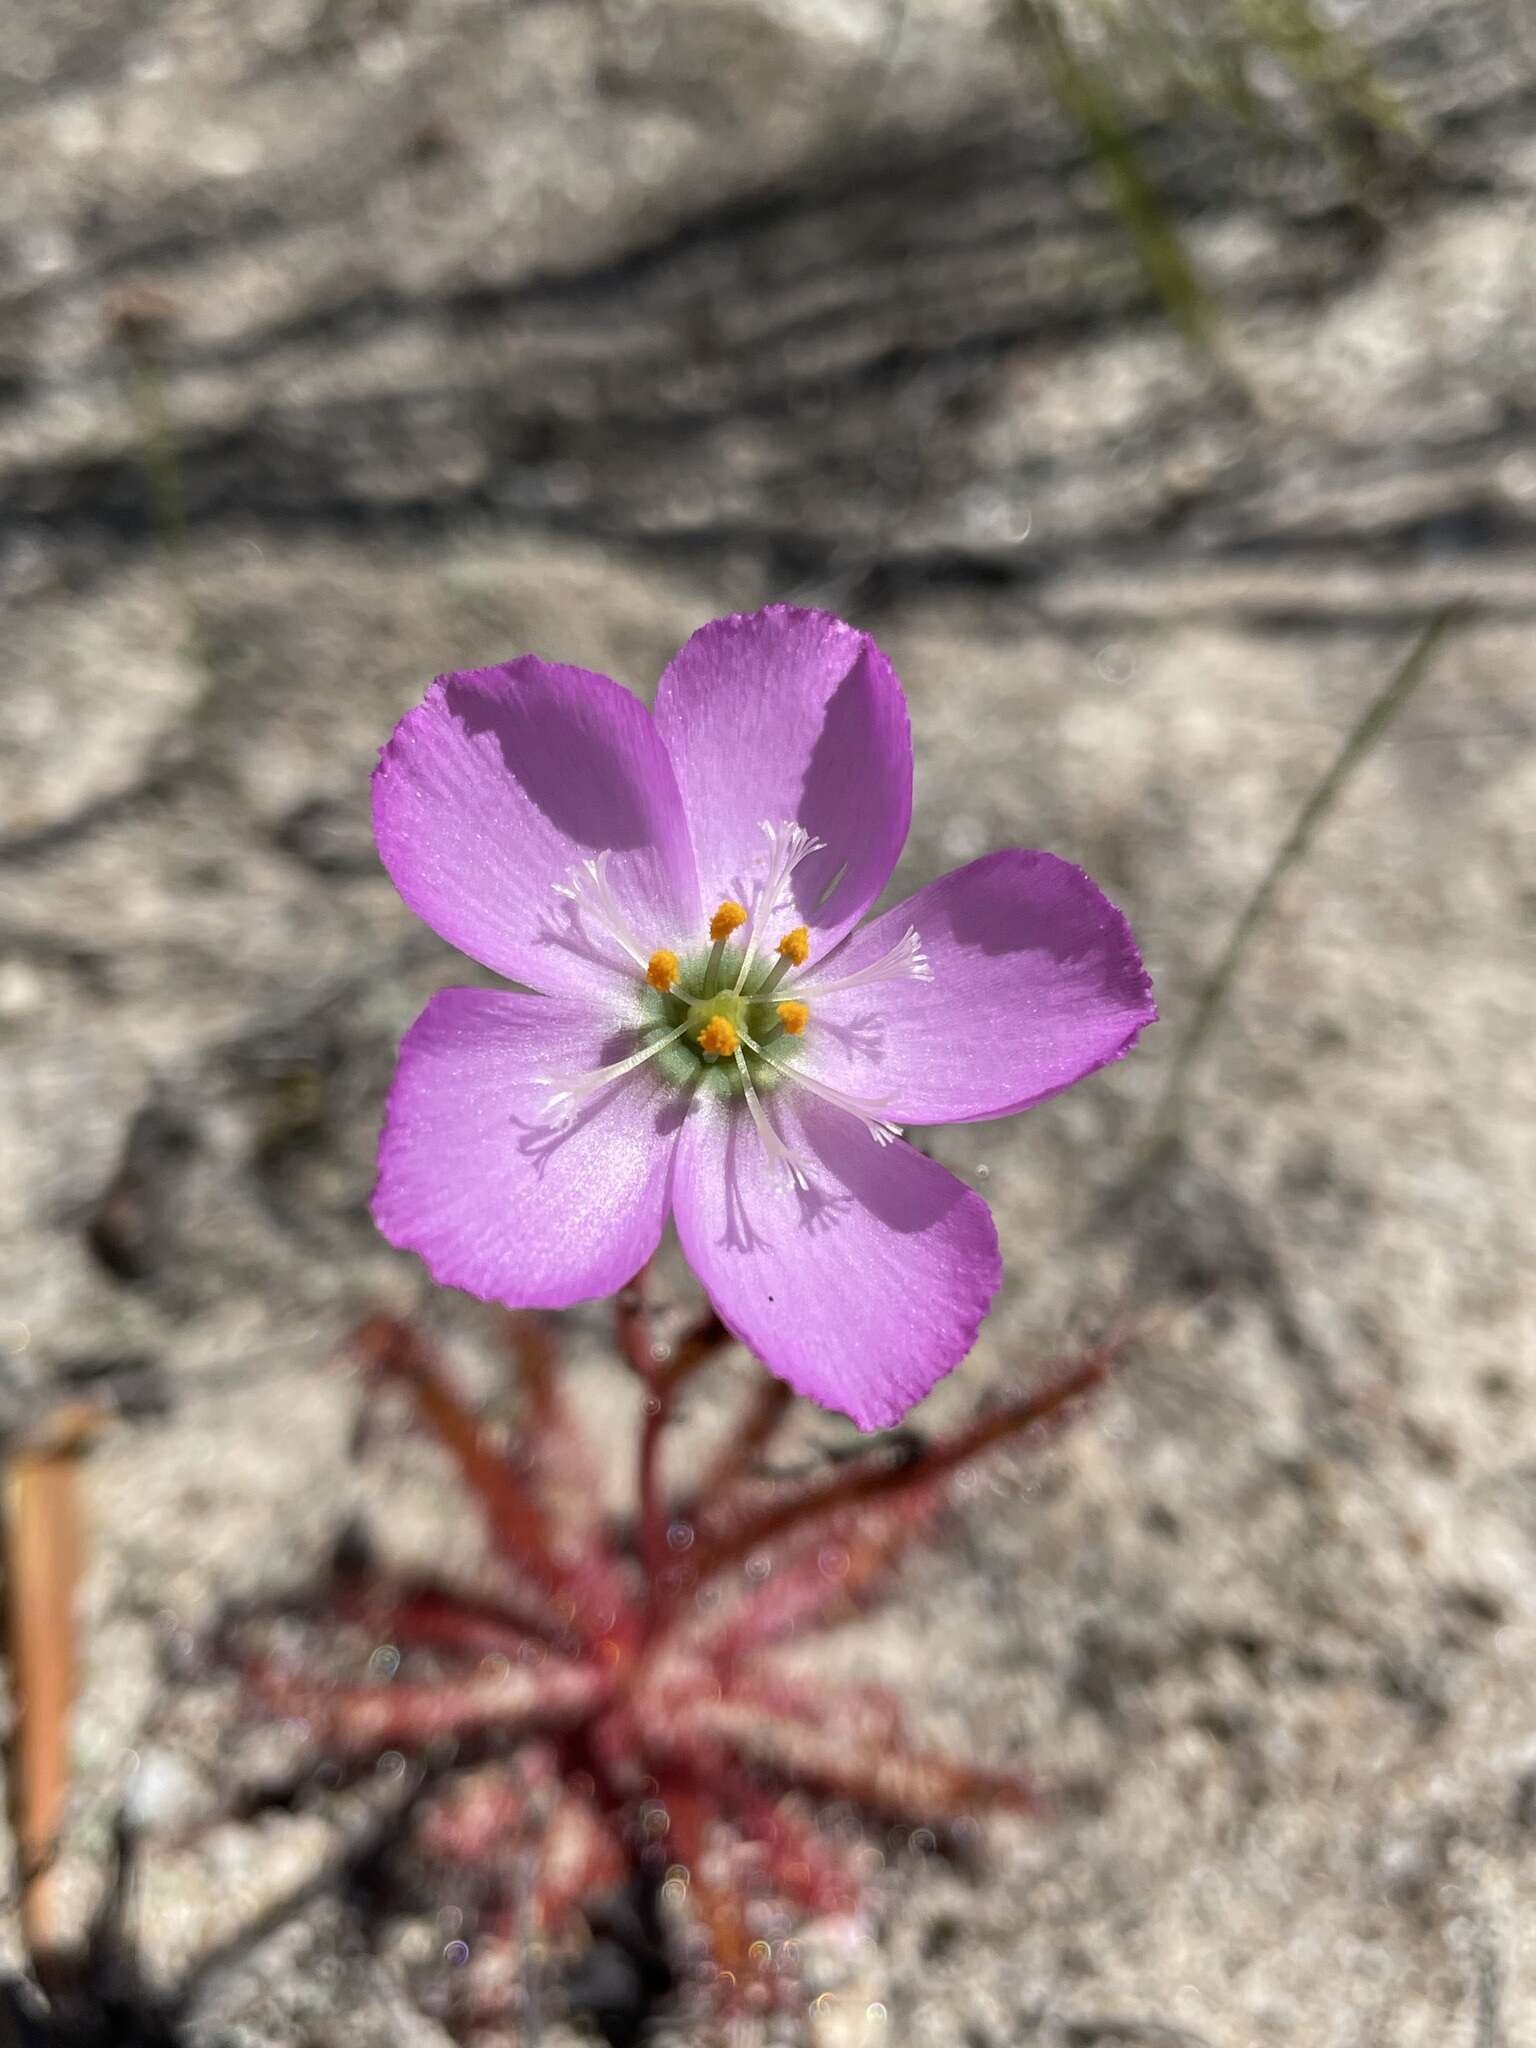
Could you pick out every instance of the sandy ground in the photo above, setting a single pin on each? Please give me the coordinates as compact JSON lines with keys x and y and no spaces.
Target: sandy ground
{"x":563,"y":327}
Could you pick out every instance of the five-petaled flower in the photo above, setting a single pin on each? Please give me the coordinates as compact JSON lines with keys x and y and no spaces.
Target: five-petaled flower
{"x":711,"y":1036}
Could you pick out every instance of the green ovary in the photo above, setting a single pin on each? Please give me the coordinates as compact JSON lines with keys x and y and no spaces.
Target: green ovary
{"x":735,"y":1010}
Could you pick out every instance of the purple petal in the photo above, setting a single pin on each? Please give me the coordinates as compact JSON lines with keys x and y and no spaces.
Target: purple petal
{"x":1036,"y":982}
{"x":786,"y":715}
{"x":505,"y":780}
{"x":472,"y":1177}
{"x":864,"y":1289}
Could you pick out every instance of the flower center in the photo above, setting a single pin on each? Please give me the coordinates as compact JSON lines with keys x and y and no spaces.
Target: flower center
{"x":716,"y":1021}
{"x":726,"y":1018}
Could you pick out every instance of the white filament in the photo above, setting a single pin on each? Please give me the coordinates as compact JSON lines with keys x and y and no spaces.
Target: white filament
{"x":906,"y":961}
{"x":571,"y":1091}
{"x":863,"y":1107}
{"x":788,"y":846}
{"x":591,"y":891}
{"x":772,"y":1143}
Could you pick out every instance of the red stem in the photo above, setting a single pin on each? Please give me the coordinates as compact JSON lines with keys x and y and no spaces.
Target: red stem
{"x":633,"y":1324}
{"x":696,"y":1348}
{"x":653,"y":1505}
{"x":420,"y":1614}
{"x":867,"y":1483}
{"x":661,"y":1380}
{"x":753,"y":1433}
{"x":515,"y":1518}
{"x":371,"y":1718}
{"x":888,"y":1779}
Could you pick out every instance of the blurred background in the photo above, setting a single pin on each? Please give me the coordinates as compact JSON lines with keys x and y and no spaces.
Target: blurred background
{"x":1146,"y":375}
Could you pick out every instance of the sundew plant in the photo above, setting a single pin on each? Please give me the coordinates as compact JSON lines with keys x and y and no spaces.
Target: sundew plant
{"x":718,"y":1038}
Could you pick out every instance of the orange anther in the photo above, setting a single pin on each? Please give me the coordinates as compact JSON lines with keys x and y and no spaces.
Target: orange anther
{"x":719,"y":1036}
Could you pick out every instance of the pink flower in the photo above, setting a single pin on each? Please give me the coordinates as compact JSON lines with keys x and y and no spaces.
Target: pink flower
{"x":712,"y":1038}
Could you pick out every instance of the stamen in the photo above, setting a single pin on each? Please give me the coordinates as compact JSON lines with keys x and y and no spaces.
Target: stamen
{"x":719,"y":1038}
{"x":794,"y":1017}
{"x":573,"y":1090}
{"x":788,"y":846}
{"x":769,"y":1138}
{"x":594,"y":899}
{"x":730,"y":917}
{"x":793,"y":950}
{"x":906,"y":961}
{"x":661,"y":970}
{"x":863,"y":1108}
